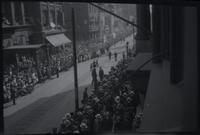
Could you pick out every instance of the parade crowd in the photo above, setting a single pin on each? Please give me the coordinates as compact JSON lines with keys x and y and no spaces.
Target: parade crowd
{"x":19,"y":80}
{"x":111,"y":106}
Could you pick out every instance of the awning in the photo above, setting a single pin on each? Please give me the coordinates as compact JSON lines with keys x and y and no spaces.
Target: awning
{"x":58,"y":39}
{"x":18,"y":47}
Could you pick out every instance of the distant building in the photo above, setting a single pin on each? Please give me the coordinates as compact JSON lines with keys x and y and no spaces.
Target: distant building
{"x":94,"y":23}
{"x":81,"y":20}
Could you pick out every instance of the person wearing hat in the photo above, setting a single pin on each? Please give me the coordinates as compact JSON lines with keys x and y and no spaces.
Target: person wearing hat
{"x":85,"y":96}
{"x":123,"y":55}
{"x":98,"y":122}
{"x":106,"y":121}
{"x":97,"y":63}
{"x":94,"y":78}
{"x":91,"y":67}
{"x":115,"y":54}
{"x":65,"y":126}
{"x":13,"y":91}
{"x":83,"y":127}
{"x":109,"y":54}
{"x":101,"y":73}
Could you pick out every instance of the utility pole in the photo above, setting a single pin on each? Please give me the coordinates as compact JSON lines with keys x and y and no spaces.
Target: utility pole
{"x":75,"y":62}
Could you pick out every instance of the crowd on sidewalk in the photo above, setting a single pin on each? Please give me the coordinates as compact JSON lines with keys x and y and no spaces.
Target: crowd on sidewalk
{"x":110,"y":107}
{"x":19,"y":80}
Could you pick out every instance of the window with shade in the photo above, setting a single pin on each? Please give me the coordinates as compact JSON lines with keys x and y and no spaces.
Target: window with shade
{"x":6,"y":13}
{"x":18,"y":13}
{"x":59,"y":18}
{"x":45,"y":18}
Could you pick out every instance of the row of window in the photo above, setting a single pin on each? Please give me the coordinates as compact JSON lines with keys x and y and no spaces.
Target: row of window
{"x":13,"y":13}
{"x":51,"y":15}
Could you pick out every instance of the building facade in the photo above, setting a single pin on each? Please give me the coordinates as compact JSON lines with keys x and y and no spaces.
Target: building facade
{"x":81,"y":20}
{"x":30,"y":25}
{"x":94,"y":22}
{"x":172,"y":91}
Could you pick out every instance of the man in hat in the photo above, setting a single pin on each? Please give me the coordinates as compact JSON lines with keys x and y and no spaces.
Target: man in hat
{"x":83,"y":127}
{"x":127,"y":49}
{"x":109,"y":54}
{"x":97,"y":63}
{"x":98,"y":122}
{"x":123,"y":55}
{"x":57,"y":68}
{"x":91,"y":67}
{"x":101,"y":73}
{"x":85,"y":96}
{"x":13,"y":91}
{"x":107,"y":121}
{"x":94,"y":78}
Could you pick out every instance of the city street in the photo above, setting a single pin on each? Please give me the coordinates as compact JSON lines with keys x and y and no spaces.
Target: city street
{"x":44,"y":108}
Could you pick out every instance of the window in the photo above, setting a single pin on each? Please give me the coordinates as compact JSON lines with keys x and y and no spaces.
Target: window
{"x":18,"y":13}
{"x":45,"y":18}
{"x":52,"y":16}
{"x":59,"y":18}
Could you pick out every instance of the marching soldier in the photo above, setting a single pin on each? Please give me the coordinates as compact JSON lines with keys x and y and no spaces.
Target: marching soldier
{"x":123,"y":55}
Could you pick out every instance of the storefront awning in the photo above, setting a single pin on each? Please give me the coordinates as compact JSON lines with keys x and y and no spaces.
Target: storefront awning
{"x":58,"y":39}
{"x":20,"y":47}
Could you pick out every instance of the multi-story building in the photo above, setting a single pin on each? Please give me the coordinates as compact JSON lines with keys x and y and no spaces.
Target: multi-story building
{"x":29,"y":25}
{"x":17,"y":28}
{"x":81,"y":20}
{"x":94,"y":22}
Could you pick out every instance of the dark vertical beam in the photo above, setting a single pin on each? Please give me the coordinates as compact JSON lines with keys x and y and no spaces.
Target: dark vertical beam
{"x":55,"y":10}
{"x":166,"y":33}
{"x":1,"y":92}
{"x":198,"y":52}
{"x":48,"y":12}
{"x":75,"y":62}
{"x":143,"y":19}
{"x":22,"y":10}
{"x":164,"y":27}
{"x":190,"y":91}
{"x":176,"y":59}
{"x":156,"y":25}
{"x":13,"y":13}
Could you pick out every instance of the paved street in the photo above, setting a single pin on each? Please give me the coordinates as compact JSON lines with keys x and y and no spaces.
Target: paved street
{"x":43,"y":109}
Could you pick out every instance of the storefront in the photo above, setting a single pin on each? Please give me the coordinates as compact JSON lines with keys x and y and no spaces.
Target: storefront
{"x":23,"y":56}
{"x":59,"y":48}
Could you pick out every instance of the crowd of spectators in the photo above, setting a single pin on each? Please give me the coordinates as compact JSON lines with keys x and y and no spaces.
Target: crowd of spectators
{"x":112,"y":107}
{"x":19,"y":81}
{"x":26,"y":62}
{"x":26,"y":73}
